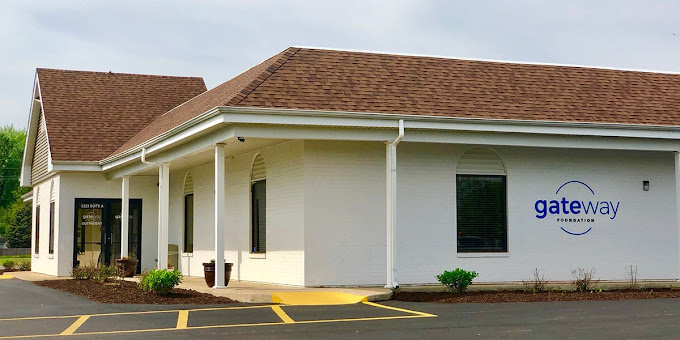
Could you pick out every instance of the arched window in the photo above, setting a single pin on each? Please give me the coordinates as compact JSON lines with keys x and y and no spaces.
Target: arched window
{"x":188,"y":214}
{"x":53,"y":190}
{"x":258,"y":206}
{"x":481,"y":202}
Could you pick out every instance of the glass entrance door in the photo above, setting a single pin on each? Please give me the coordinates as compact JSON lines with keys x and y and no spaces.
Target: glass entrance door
{"x":98,"y":231}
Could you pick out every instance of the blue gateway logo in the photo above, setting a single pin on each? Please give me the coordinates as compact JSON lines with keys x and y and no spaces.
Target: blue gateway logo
{"x":579,"y":212}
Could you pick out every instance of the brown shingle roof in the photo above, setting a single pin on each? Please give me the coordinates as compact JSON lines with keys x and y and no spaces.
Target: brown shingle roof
{"x":316,"y":79}
{"x":330,"y":80}
{"x":91,"y":114}
{"x":229,"y":93}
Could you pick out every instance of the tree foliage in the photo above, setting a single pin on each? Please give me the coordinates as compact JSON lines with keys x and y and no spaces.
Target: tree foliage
{"x":19,"y":225}
{"x":12,"y":142}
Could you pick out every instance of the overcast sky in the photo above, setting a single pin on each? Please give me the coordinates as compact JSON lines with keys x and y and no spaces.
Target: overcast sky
{"x":217,"y":40}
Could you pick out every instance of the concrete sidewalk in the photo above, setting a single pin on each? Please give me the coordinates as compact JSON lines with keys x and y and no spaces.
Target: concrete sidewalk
{"x":266,"y":293}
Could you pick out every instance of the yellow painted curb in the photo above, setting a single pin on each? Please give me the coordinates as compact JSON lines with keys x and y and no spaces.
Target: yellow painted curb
{"x":317,"y":298}
{"x":6,"y":276}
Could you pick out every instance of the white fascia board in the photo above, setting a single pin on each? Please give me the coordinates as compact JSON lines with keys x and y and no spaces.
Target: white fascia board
{"x":76,"y":166}
{"x":545,"y":141}
{"x":388,"y":120}
{"x":50,"y":164}
{"x":199,"y":144}
{"x":158,"y":144}
{"x":31,"y":135}
{"x":313,"y":132}
{"x":27,"y":197}
{"x":376,"y":122}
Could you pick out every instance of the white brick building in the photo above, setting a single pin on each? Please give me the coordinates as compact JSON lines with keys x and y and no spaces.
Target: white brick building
{"x":497,"y":167}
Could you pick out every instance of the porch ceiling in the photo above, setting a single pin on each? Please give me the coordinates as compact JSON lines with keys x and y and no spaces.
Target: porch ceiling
{"x":207,"y":155}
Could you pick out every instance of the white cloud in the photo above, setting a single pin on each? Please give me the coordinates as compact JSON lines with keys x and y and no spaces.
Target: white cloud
{"x":219,"y":39}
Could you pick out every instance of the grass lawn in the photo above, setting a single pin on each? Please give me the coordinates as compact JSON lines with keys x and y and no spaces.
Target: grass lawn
{"x":2,"y":257}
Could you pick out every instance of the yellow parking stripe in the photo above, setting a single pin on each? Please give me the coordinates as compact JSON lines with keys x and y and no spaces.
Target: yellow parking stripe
{"x":71,"y":329}
{"x":182,"y":319}
{"x":398,"y":309}
{"x":220,"y":326}
{"x":284,"y":317}
{"x":132,"y":313}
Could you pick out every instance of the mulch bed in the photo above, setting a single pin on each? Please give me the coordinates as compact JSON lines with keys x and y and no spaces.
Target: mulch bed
{"x":522,"y":296}
{"x":127,"y":292}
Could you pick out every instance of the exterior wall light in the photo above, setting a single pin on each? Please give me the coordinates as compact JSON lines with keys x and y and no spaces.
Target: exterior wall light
{"x":645,"y":185}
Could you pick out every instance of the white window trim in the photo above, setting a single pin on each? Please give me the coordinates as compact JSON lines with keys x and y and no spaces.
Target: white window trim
{"x":254,"y":255}
{"x":184,"y":202}
{"x":482,"y":255}
{"x":506,"y":253}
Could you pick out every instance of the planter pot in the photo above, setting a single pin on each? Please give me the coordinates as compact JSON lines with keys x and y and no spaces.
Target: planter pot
{"x":209,"y":273}
{"x":129,"y":266}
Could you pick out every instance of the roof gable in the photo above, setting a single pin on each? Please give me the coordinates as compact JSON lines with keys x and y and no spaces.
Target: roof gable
{"x":90,"y":114}
{"x":230,"y":93}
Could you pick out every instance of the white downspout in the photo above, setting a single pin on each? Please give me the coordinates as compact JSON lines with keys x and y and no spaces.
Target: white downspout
{"x":391,"y":211}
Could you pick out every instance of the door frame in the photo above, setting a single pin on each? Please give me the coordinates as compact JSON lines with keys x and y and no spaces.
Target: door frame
{"x":106,"y":218}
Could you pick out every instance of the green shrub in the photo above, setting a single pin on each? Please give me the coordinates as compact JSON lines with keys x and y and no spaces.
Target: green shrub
{"x":457,"y":280}
{"x":100,"y":273}
{"x":25,"y":265}
{"x":8,"y":264}
{"x":108,"y":273}
{"x":142,"y":278}
{"x":84,"y":272}
{"x":160,"y":282}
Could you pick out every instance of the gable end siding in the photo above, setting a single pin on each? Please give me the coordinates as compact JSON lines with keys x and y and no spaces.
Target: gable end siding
{"x":40,"y":154}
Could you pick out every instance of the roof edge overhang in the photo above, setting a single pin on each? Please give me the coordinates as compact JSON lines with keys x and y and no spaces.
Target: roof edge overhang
{"x":317,"y":118}
{"x":27,"y":197}
{"x":31,"y":133}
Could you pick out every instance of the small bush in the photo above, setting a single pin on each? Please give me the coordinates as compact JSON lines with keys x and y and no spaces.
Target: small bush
{"x":25,"y":265}
{"x":160,"y":282}
{"x":583,"y":278}
{"x":105,"y":273}
{"x":537,"y":283}
{"x":8,"y":264}
{"x":83,"y":272}
{"x":101,"y":273}
{"x":142,"y":278}
{"x":632,"y":272}
{"x":457,"y":280}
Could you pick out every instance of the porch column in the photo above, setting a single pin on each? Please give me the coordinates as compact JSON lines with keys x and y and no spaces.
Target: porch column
{"x":219,"y":216}
{"x":163,"y":212}
{"x":677,"y":200}
{"x":124,"y":217}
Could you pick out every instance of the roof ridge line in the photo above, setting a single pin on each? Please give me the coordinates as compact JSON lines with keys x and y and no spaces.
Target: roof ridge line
{"x":491,"y":60}
{"x":244,"y":93}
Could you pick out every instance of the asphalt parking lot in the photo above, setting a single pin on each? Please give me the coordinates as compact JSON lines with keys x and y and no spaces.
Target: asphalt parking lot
{"x":119,"y":323}
{"x":29,"y":311}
